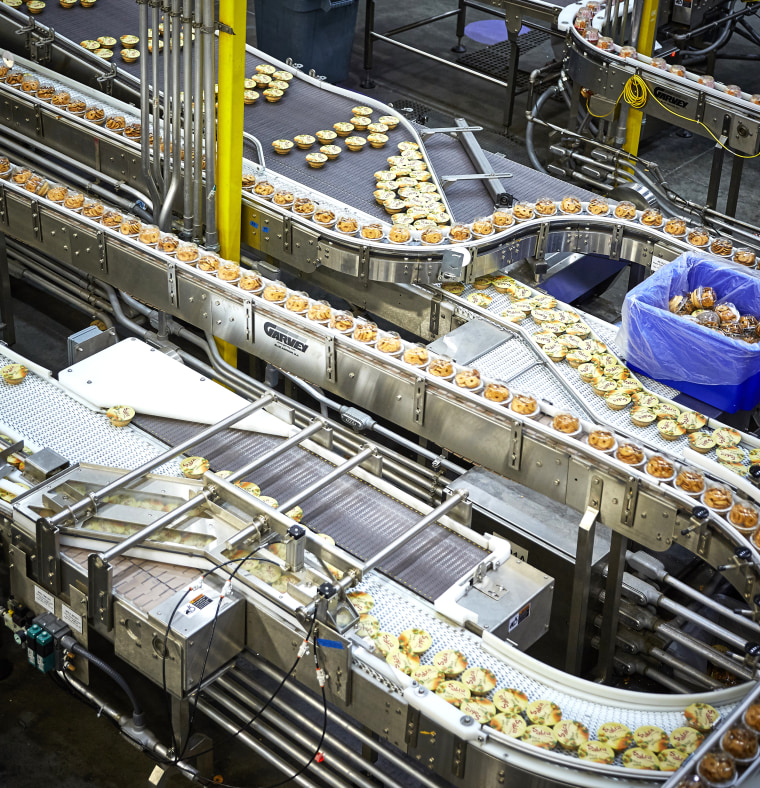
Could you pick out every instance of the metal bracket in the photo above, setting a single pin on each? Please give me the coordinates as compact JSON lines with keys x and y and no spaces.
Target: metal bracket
{"x":458,"y":756}
{"x":701,"y":103}
{"x":38,"y":120}
{"x":171,"y":281}
{"x":102,"y":257}
{"x":515,"y":447}
{"x":704,"y":540}
{"x":616,"y":241}
{"x":330,"y":358}
{"x":250,"y":310}
{"x":541,"y":238}
{"x":35,"y":210}
{"x":595,"y":488}
{"x":451,"y":130}
{"x":629,"y":502}
{"x":419,"y":401}
{"x":364,"y":266}
{"x":3,"y":209}
{"x":220,"y":26}
{"x":41,"y":49}
{"x":287,"y":235}
{"x":48,"y":556}
{"x":100,"y":596}
{"x":447,"y":180}
{"x":453,"y":263}
{"x":412,"y":726}
{"x":106,"y":80}
{"x":435,"y":314}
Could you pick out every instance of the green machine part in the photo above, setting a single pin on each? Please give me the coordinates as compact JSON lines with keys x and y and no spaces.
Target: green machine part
{"x":31,"y":643}
{"x":45,"y":652}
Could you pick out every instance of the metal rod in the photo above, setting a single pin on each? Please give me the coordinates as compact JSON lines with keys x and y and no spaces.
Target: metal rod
{"x":709,"y":626}
{"x":155,"y":46}
{"x":187,"y":131}
{"x":166,"y":55}
{"x":198,"y":150}
{"x":329,"y":478}
{"x":611,"y":611}
{"x":145,"y":167}
{"x":301,"y":435}
{"x":577,"y":623}
{"x":666,"y":681}
{"x":420,"y":23}
{"x":308,"y":735}
{"x":341,"y":721}
{"x":251,"y":742}
{"x":209,"y":114}
{"x":457,"y":497}
{"x":257,"y":144}
{"x":684,"y":668}
{"x":127,"y":478}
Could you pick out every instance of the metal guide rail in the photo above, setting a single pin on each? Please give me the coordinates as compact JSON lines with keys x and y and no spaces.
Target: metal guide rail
{"x":406,"y":394}
{"x":734,"y":119}
{"x":306,"y":245}
{"x":145,"y":588}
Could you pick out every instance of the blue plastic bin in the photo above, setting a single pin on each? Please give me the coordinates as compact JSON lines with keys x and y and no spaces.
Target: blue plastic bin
{"x":317,"y":33}
{"x":696,"y":360}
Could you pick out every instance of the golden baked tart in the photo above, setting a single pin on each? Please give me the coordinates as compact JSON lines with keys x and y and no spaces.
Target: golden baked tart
{"x":441,"y":367}
{"x":722,"y":247}
{"x":282,"y":146}
{"x":120,"y":415}
{"x":355,"y":143}
{"x":743,"y":516}
{"x":275,"y":292}
{"x":250,"y":281}
{"x":58,"y":194}
{"x":523,"y":211}
{"x":670,"y":429}
{"x":365,"y":331}
{"x":416,"y":355}
{"x":453,"y":692}
{"x":168,"y":243}
{"x":389,"y":342}
{"x":496,"y":391}
{"x":343,"y":129}
{"x":347,"y":225}
{"x":630,"y":454}
{"x":316,"y":160}
{"x":399,"y":234}
{"x":602,"y":440}
{"x":502,"y":218}
{"x":372,"y":232}
{"x":692,"y":482}
{"x":615,"y":735}
{"x":304,"y":206}
{"x":116,"y":123}
{"x":359,"y":123}
{"x":264,"y":189}
{"x":659,"y":467}
{"x":93,"y":209}
{"x":331,"y":151}
{"x":675,"y":226}
{"x":149,"y":235}
{"x":567,"y":423}
{"x":76,"y":107}
{"x":13,"y":374}
{"x":625,"y":210}
{"x":208,"y":263}
{"x":326,"y":136}
{"x":460,"y":232}
{"x":545,"y":206}
{"x":698,"y":236}
{"x":283,"y":197}
{"x":744,"y":257}
{"x":524,"y":404}
{"x":598,"y":206}
{"x":468,"y":379}
{"x":297,"y":302}
{"x":482,"y":227}
{"x":570,"y":205}
{"x":432,"y":235}
{"x":304,"y":141}
{"x":342,"y":321}
{"x":703,"y":442}
{"x":319,"y":311}
{"x":228,"y":271}
{"x":75,"y":201}
{"x":651,"y":217}
{"x":324,"y":217}
{"x":377,"y":128}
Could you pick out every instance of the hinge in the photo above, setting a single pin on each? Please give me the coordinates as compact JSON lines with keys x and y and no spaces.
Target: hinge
{"x":629,"y":502}
{"x":515,"y":448}
{"x":419,"y":401}
{"x":595,"y":488}
{"x":330,"y":358}
{"x":102,"y":258}
{"x":171,"y":281}
{"x":250,"y":310}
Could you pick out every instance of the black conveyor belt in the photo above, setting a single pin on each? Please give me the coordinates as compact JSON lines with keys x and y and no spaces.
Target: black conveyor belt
{"x":306,"y":109}
{"x":360,"y":518}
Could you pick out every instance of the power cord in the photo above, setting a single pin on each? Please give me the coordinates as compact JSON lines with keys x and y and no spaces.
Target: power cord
{"x":636,"y":93}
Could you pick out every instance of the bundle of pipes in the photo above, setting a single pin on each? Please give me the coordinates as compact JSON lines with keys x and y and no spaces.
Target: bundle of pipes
{"x":191,"y":67}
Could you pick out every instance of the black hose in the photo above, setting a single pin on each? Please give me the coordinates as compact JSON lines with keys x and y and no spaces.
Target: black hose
{"x":542,"y":99}
{"x":137,"y":714}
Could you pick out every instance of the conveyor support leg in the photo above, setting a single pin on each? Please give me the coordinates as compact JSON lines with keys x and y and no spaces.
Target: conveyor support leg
{"x":7,"y":331}
{"x":644,"y":44}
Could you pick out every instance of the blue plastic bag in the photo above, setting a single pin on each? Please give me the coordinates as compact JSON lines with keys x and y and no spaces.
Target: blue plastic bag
{"x":668,"y":347}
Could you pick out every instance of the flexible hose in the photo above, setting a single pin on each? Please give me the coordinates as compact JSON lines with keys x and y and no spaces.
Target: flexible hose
{"x":542,"y":99}
{"x":137,"y":714}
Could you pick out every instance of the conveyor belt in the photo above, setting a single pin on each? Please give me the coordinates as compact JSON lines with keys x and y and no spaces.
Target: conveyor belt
{"x":361,"y":519}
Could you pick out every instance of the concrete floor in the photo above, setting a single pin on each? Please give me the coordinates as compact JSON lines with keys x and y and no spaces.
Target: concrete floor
{"x":51,"y":738}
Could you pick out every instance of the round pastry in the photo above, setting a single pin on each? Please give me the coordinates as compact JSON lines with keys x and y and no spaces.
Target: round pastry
{"x":361,"y":600}
{"x":120,"y":415}
{"x":402,"y":660}
{"x":743,"y":516}
{"x":722,"y":247}
{"x":730,"y":454}
{"x":692,"y":421}
{"x":365,"y":331}
{"x":415,"y":641}
{"x":651,"y":217}
{"x":482,"y":227}
{"x":570,"y":734}
{"x":264,"y":189}
{"x":545,"y":206}
{"x":598,"y":206}
{"x":128,"y":226}
{"x":441,"y":367}
{"x":686,"y":740}
{"x":417,"y":356}
{"x":385,"y":642}
{"x":480,"y":709}
{"x":667,"y":410}
{"x":726,"y":436}
{"x":450,"y":662}
{"x":577,"y":357}
{"x":194,"y":467}
{"x":740,"y":743}
{"x":675,"y":227}
{"x":13,"y":374}
{"x":717,"y":768}
{"x":570,"y":205}
{"x":659,"y":467}
{"x":642,"y":417}
{"x":433,"y":235}
{"x":511,"y":726}
{"x":502,"y":218}
{"x":496,"y":392}
{"x":701,"y":716}
{"x":347,"y":225}
{"x":453,"y":692}
{"x":640,"y":758}
{"x":368,"y":626}
{"x":555,"y":351}
{"x":209,"y":263}
{"x":567,"y":423}
{"x":651,"y":737}
{"x":540,"y":736}
{"x":149,"y":235}
{"x":617,"y":400}
{"x":269,"y":501}
{"x":510,"y":702}
{"x":272,"y":95}
{"x":320,"y":311}
{"x":460,"y":232}
{"x":479,"y":681}
{"x":744,"y":257}
{"x":719,"y":498}
{"x":596,"y":752}
{"x":602,"y":440}
{"x":391,"y":121}
{"x":669,"y":429}
{"x":703,"y":442}
{"x":428,"y":676}
{"x":543,"y":712}
{"x":372,"y":232}
{"x":524,"y":403}
{"x":625,"y":210}
{"x":615,"y":735}
{"x":698,"y":237}
{"x":59,"y":194}
{"x":692,"y":482}
{"x":630,"y":454}
{"x":400,"y":234}
{"x":752,"y":717}
{"x":275,"y":292}
{"x":297,"y":302}
{"x":168,"y":244}
{"x":479,"y":299}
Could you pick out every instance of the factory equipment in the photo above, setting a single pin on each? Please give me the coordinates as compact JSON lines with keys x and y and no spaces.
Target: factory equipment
{"x":538,"y":554}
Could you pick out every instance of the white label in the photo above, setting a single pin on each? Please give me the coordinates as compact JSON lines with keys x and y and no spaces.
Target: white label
{"x":44,"y":599}
{"x":657,"y":263}
{"x":74,"y":620}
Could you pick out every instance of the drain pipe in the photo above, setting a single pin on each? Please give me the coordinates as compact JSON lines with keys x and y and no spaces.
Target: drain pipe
{"x":209,"y":109}
{"x":155,"y":48}
{"x":187,"y":134}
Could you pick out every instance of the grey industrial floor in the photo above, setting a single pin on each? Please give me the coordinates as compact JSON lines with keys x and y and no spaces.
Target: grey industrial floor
{"x":49,"y":737}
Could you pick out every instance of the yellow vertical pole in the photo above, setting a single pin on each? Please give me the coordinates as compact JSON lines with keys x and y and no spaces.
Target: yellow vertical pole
{"x":229,"y":131}
{"x":644,"y":46}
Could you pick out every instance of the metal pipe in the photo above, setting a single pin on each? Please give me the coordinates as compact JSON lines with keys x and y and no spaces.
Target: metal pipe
{"x":198,"y":144}
{"x":428,"y":519}
{"x":661,"y":678}
{"x":187,"y":132}
{"x":250,"y":741}
{"x":340,"y":720}
{"x":256,"y":142}
{"x":145,"y":167}
{"x":324,"y":481}
{"x":337,"y":752}
{"x":531,"y":115}
{"x":294,"y":440}
{"x":695,"y":618}
{"x":684,"y":668}
{"x":155,"y":49}
{"x":209,"y":113}
{"x":493,"y":186}
{"x":122,"y":319}
{"x":160,"y":459}
{"x":166,"y":55}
